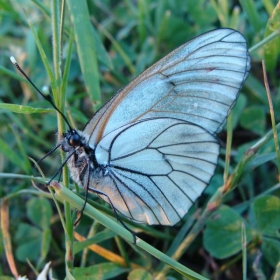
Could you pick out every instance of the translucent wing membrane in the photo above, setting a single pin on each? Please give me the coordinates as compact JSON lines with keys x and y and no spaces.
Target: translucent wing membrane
{"x":158,"y":168}
{"x":152,"y":146}
{"x":198,"y":82}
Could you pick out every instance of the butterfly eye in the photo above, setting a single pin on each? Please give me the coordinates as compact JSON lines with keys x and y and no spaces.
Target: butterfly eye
{"x":74,"y":140}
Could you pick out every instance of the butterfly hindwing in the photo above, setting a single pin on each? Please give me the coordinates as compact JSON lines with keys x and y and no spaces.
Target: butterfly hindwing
{"x":157,"y":168}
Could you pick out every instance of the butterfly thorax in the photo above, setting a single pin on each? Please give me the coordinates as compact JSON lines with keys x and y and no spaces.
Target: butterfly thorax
{"x":82,"y":161}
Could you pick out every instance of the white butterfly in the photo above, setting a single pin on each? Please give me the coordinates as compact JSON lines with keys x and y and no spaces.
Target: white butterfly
{"x":151,"y":149}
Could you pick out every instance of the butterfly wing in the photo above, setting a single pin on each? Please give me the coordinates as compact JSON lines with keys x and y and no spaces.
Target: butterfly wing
{"x":156,"y":168}
{"x":155,"y":137}
{"x":198,"y":82}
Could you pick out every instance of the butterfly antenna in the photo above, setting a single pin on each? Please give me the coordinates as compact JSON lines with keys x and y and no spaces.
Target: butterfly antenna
{"x":48,"y":153}
{"x":61,"y":166}
{"x":13,"y":60}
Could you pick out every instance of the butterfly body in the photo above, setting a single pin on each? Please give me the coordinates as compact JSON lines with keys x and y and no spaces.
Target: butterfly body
{"x":152,"y":148}
{"x":81,"y":157}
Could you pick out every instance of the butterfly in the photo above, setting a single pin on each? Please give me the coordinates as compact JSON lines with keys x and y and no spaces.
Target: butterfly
{"x":151,"y":150}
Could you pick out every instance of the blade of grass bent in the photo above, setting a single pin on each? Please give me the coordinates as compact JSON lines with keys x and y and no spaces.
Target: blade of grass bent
{"x":77,"y":202}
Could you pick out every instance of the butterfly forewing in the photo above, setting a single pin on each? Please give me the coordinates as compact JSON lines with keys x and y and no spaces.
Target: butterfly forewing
{"x":198,"y":82}
{"x":152,"y":147}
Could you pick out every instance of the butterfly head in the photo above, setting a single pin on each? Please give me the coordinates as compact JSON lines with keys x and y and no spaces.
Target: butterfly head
{"x":71,"y":140}
{"x":74,"y":138}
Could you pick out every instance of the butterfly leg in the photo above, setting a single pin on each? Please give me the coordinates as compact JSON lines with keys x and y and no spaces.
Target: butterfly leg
{"x":87,"y":189}
{"x":80,"y":212}
{"x":115,"y":212}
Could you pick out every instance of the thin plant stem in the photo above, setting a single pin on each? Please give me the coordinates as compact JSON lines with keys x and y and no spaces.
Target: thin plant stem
{"x":265,"y":41}
{"x":228,"y":146}
{"x":275,"y":135}
{"x":57,"y":15}
{"x":244,"y":251}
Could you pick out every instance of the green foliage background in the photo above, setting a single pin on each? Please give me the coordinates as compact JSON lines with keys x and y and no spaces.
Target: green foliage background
{"x":81,"y":54}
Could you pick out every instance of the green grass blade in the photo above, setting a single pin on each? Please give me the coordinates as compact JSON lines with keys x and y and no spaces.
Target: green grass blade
{"x":77,"y":202}
{"x":13,"y":156}
{"x":23,"y":109}
{"x":41,"y":6}
{"x":253,"y":16}
{"x":271,"y":49}
{"x":43,"y":55}
{"x":12,"y":74}
{"x":67,"y":67}
{"x":97,"y":238}
{"x":86,"y":49}
{"x":244,"y":251}
{"x":119,"y":49}
{"x":55,"y":19}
